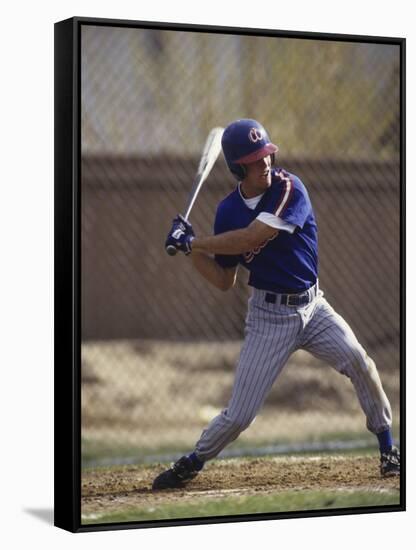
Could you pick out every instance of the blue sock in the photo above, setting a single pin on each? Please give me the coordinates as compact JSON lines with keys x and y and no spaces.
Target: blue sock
{"x":198,"y":464}
{"x":385,"y":441}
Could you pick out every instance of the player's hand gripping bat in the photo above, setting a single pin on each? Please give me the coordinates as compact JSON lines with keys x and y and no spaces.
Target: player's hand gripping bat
{"x":210,"y":154}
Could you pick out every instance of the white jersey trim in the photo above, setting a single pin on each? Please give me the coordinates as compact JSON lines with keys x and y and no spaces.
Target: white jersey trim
{"x":271,"y":219}
{"x":276,"y":222}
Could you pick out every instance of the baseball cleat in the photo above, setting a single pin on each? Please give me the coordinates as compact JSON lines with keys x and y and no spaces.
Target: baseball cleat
{"x":177,"y":476}
{"x":390,"y":463}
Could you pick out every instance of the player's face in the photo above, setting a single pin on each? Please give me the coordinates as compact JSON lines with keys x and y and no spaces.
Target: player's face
{"x":258,"y":176}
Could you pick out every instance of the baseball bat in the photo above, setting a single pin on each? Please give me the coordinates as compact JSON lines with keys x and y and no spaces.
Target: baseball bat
{"x":209,"y":155}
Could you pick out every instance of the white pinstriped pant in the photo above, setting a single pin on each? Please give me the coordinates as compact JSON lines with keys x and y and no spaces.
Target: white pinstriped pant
{"x":273,"y":333}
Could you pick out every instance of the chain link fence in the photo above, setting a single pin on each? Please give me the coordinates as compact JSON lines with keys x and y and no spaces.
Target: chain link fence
{"x":159,"y":344}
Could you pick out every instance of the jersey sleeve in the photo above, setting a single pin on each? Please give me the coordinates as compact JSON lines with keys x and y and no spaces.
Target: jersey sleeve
{"x":220,"y":226}
{"x":276,"y":222}
{"x":293,"y":205}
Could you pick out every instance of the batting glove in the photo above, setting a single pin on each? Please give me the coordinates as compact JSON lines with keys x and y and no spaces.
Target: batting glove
{"x":181,"y":235}
{"x":180,"y":223}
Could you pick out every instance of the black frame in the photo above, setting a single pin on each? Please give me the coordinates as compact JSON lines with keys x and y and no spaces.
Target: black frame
{"x":67,"y":308}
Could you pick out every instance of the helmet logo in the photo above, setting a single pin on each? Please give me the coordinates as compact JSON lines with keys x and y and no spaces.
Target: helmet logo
{"x":255,"y":135}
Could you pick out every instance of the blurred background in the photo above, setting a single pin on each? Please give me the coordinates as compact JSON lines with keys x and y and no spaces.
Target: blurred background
{"x":159,"y":345}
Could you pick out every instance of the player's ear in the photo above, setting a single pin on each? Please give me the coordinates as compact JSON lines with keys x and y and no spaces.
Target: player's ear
{"x":241,"y":173}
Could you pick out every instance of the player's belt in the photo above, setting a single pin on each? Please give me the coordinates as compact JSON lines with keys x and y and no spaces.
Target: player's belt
{"x":300,"y":299}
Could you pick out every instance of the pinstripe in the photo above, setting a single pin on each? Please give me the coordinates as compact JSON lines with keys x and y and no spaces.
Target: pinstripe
{"x":265,"y":378}
{"x":248,"y":352}
{"x":245,"y":382}
{"x":274,"y":368}
{"x":355,"y":372}
{"x":273,"y":332}
{"x":336,"y":345}
{"x":363,"y":389}
{"x":341,"y":351}
{"x":246,"y":365}
{"x":268,"y":344}
{"x":367,"y":393}
{"x":260,"y":361}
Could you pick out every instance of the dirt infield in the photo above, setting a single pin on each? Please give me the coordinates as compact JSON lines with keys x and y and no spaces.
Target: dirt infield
{"x":122,"y":488}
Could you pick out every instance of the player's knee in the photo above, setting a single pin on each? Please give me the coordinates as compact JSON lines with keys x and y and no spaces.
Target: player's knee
{"x":358,"y":363}
{"x":371,"y":373}
{"x":239,"y":423}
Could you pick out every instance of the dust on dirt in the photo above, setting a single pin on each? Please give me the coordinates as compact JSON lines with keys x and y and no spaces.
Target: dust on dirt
{"x":130,"y":486}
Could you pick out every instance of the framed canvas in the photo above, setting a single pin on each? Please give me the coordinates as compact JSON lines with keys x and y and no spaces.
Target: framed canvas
{"x":213,"y":362}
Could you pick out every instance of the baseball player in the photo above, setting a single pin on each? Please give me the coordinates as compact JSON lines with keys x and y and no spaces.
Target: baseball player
{"x":267,"y":225}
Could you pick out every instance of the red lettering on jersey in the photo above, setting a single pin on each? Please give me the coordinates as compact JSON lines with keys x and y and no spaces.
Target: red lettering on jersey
{"x":250,"y":255}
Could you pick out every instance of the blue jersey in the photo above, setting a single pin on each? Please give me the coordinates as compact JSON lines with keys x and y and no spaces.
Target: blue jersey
{"x":287,"y":262}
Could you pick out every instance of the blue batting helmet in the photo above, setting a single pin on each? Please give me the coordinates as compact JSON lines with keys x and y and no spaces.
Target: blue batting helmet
{"x":245,"y":141}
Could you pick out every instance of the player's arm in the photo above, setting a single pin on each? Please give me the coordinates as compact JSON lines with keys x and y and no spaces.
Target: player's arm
{"x":221,"y":277}
{"x":235,"y":242}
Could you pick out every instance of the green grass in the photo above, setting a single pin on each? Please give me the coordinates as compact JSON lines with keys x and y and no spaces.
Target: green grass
{"x":230,"y":506}
{"x":95,"y":451}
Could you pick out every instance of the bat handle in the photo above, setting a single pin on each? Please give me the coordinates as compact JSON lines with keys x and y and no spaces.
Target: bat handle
{"x":171,"y":250}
